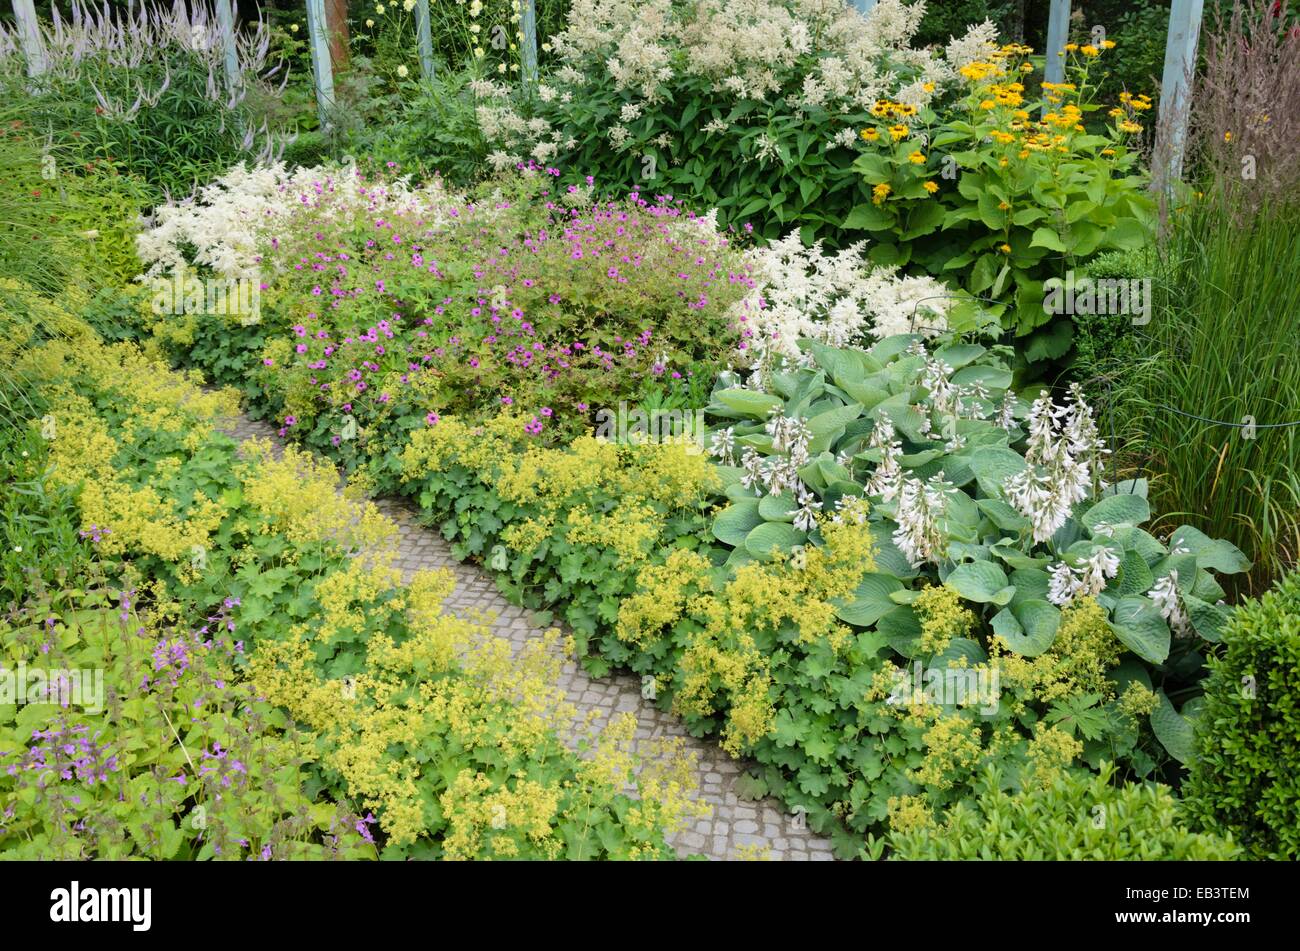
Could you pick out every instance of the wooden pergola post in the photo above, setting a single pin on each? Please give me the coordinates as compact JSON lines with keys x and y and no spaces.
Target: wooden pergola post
{"x":424,"y":38}
{"x":1058,"y":34}
{"x":226,"y":20}
{"x":528,"y":51}
{"x":1175,"y":90}
{"x":33,"y":49}
{"x":318,"y":37}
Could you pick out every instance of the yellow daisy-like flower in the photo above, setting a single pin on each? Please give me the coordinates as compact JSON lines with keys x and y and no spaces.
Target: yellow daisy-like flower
{"x":1089,"y":50}
{"x":987,"y":104}
{"x":1108,"y":44}
{"x":1129,"y":126}
{"x":916,"y":158}
{"x":931,"y":187}
{"x":1107,"y":152}
{"x":879,"y":193}
{"x":870,"y":135}
{"x":928,"y":87}
{"x":898,"y":132}
{"x":1004,"y":248}
{"x":1227,"y":137}
{"x":1071,"y":47}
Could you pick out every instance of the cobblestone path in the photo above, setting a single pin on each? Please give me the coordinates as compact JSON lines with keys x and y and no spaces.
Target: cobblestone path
{"x":734,"y":823}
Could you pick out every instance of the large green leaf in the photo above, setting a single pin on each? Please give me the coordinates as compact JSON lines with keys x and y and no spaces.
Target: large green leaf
{"x":993,"y":466}
{"x":1138,"y":624}
{"x":749,"y":402}
{"x":772,"y":537}
{"x":1117,"y":510}
{"x":979,"y":581}
{"x":1173,"y":730}
{"x":736,"y":521}
{"x":870,"y":601}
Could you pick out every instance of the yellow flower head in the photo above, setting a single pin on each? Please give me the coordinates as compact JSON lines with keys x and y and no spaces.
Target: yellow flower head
{"x":879,"y":193}
{"x":899,"y":132}
{"x":931,"y":187}
{"x":871,"y":135}
{"x":917,"y":158}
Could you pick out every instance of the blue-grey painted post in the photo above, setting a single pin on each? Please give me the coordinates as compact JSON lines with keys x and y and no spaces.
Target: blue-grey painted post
{"x":226,"y":20}
{"x":1175,"y":93}
{"x":528,"y":51}
{"x":864,"y":6}
{"x":322,"y":70}
{"x":1058,"y":34}
{"x":424,"y":38}
{"x":29,"y":26}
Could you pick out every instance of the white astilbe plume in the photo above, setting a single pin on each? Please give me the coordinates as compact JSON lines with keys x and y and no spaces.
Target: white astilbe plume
{"x":1166,"y":597}
{"x":235,"y":224}
{"x":921,"y":506}
{"x":837,"y":299}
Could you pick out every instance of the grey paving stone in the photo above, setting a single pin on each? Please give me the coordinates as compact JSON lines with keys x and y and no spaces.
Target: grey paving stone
{"x":732,"y":822}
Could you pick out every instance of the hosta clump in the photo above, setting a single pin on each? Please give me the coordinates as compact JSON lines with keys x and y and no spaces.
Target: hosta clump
{"x":999,"y":498}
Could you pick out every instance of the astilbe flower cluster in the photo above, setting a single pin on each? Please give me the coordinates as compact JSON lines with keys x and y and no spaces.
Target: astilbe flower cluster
{"x":807,"y":53}
{"x":838,"y":299}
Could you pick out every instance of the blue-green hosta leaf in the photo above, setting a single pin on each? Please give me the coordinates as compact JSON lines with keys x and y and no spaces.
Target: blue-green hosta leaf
{"x":749,"y":402}
{"x":842,"y":366}
{"x":1116,"y":510}
{"x":1017,"y":559}
{"x":772,"y":537}
{"x":738,"y":558}
{"x":1128,"y":487}
{"x":888,"y":558}
{"x":995,"y":379}
{"x":993,"y":466}
{"x":1173,"y":730}
{"x":777,"y":508}
{"x":736,"y":492}
{"x":958,"y":648}
{"x":979,"y":581}
{"x":728,"y":475}
{"x":1209,"y":620}
{"x":870,"y":600}
{"x":1214,"y":553}
{"x":1134,"y":576}
{"x":734,"y":523}
{"x":1185,"y":565}
{"x":1138,"y":624}
{"x":832,"y":420}
{"x":957,"y":355}
{"x":902,"y":627}
{"x":1031,"y":627}
{"x":1039,"y":621}
{"x":1141,"y":541}
{"x":1002,"y":515}
{"x":1031,"y":585}
{"x":866,"y":392}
